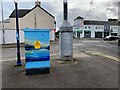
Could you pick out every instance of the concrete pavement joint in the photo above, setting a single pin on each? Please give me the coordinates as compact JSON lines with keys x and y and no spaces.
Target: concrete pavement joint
{"x":14,"y":59}
{"x":75,"y":55}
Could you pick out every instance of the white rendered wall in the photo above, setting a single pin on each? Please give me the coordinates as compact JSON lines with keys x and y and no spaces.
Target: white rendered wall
{"x":10,"y":36}
{"x":52,"y":35}
{"x":21,"y":36}
{"x":114,"y":29}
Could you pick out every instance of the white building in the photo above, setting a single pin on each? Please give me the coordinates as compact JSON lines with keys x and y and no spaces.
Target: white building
{"x":94,"y":29}
{"x":36,"y":18}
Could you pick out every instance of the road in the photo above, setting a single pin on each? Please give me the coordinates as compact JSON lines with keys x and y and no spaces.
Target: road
{"x":99,"y":46}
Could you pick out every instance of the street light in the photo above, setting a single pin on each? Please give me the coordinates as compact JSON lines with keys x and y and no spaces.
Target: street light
{"x":19,"y":63}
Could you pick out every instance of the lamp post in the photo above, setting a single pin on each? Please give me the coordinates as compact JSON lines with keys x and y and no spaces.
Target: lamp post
{"x":19,"y":63}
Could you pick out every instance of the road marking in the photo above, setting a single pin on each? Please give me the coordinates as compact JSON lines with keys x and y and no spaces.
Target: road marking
{"x":78,"y":44}
{"x":80,"y":55}
{"x":11,"y":48}
{"x":7,"y":60}
{"x":103,"y":55}
{"x":54,"y":54}
{"x":91,"y":41}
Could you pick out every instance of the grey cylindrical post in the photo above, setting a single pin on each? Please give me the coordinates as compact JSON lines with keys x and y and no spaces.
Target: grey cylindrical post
{"x":66,"y":37}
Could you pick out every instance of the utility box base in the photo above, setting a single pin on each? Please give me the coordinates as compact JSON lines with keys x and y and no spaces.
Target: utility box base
{"x":38,"y":71}
{"x":37,"y":51}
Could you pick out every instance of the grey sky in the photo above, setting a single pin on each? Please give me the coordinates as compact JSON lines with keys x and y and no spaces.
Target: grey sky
{"x":89,"y":9}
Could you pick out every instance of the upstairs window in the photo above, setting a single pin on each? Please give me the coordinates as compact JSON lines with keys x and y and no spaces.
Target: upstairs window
{"x":89,"y":27}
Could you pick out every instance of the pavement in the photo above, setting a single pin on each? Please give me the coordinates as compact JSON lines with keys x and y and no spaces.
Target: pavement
{"x":89,"y":69}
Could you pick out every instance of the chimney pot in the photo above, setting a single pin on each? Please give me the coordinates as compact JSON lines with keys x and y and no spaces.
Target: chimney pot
{"x":37,"y":3}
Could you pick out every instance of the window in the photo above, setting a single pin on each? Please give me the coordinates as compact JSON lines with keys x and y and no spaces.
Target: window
{"x":111,"y":30}
{"x":78,"y":26}
{"x":85,"y":27}
{"x":105,"y":27}
{"x":89,"y":27}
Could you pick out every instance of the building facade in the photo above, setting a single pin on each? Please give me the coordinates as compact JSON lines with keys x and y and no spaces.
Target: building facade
{"x":35,"y":18}
{"x":94,"y":29}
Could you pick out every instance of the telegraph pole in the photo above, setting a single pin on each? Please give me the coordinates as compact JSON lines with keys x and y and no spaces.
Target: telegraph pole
{"x":17,"y":35}
{"x":3,"y":22}
{"x":66,"y":36}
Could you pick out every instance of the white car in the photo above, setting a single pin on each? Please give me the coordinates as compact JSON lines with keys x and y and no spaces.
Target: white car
{"x":110,"y":38}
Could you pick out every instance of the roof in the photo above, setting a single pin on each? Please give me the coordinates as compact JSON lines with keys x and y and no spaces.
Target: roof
{"x":114,"y":22}
{"x":79,"y":17}
{"x":23,"y":12}
{"x":91,"y":22}
{"x":6,"y":21}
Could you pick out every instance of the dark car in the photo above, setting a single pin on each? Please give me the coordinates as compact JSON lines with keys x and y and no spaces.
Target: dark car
{"x":110,"y":38}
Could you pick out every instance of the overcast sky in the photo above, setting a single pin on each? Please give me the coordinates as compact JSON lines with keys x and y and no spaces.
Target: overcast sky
{"x":88,"y":9}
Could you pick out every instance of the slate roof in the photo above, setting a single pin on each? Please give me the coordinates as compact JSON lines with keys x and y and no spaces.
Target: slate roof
{"x":91,"y":22}
{"x":23,"y":12}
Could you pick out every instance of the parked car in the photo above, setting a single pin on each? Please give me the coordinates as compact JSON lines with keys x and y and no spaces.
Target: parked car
{"x":110,"y":38}
{"x":118,"y":37}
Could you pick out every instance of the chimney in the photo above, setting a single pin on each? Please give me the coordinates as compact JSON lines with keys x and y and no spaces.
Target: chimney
{"x":37,"y":3}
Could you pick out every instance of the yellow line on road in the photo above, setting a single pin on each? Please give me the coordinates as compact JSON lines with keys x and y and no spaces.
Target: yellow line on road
{"x":104,"y":55}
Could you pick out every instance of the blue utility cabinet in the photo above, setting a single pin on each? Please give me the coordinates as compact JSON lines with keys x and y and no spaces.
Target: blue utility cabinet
{"x":37,"y":51}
